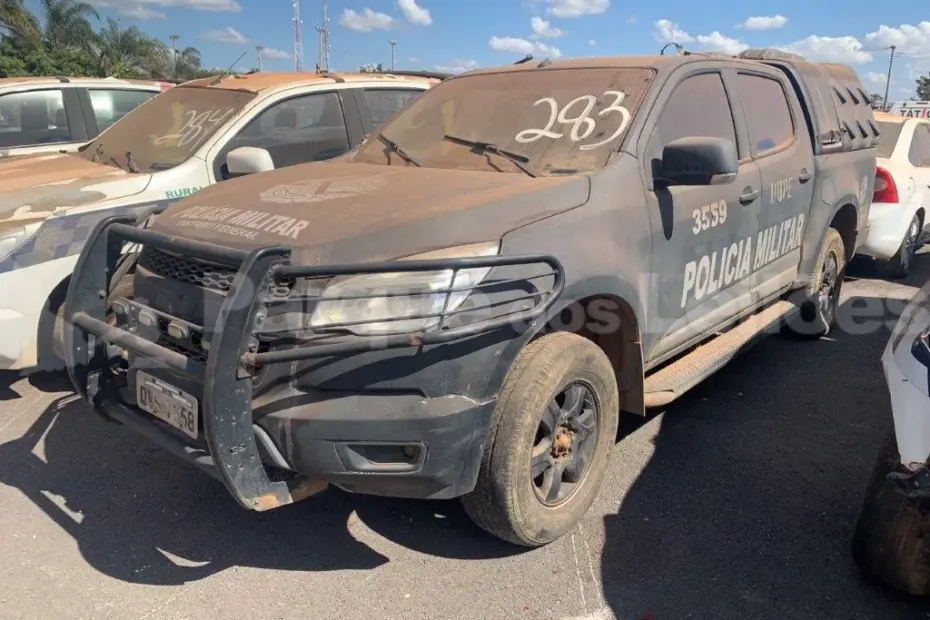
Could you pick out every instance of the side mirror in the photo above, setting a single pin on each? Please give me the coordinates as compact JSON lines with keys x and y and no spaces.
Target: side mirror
{"x":699,"y":161}
{"x":248,"y":160}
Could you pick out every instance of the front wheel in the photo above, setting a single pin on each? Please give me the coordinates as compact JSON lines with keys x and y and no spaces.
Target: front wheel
{"x":549,"y":442}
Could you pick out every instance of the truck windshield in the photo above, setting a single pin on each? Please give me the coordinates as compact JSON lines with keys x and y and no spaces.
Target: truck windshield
{"x":888,"y":138}
{"x":541,"y":122}
{"x":166,"y":130}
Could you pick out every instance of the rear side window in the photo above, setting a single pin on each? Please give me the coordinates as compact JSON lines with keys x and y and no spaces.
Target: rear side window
{"x":768,"y":114}
{"x":922,"y":138}
{"x":33,"y":118}
{"x":698,"y":107}
{"x":890,"y":132}
{"x":111,"y":105}
{"x":383,"y":104}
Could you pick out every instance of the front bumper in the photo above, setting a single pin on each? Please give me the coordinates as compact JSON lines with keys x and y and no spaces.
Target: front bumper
{"x":269,"y":442}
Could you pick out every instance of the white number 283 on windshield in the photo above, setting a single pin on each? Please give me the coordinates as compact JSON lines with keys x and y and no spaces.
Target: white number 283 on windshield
{"x":582,"y":125}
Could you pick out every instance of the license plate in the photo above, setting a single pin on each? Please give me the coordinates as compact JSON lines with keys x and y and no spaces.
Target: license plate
{"x":167,"y":403}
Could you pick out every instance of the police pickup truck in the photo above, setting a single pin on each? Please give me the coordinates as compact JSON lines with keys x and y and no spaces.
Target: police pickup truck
{"x":463,"y":305}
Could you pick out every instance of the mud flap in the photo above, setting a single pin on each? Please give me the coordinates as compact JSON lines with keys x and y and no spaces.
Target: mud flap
{"x":891,"y":540}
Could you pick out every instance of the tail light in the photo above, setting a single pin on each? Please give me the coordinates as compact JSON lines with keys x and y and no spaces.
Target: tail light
{"x":885,"y":188}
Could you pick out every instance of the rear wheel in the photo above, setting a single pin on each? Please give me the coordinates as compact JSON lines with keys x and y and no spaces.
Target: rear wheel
{"x":899,"y":265}
{"x":817,"y":310}
{"x":548,"y":449}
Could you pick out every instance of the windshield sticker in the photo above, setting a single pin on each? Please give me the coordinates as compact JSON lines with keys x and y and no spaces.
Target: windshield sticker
{"x":174,"y":194}
{"x":195,"y":124}
{"x":240,"y":223}
{"x":322,"y":189}
{"x":582,"y":125}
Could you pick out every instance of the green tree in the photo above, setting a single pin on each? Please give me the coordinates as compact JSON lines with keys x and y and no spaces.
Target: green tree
{"x":127,"y":52}
{"x":16,"y":21}
{"x":67,"y":23}
{"x":923,"y":88}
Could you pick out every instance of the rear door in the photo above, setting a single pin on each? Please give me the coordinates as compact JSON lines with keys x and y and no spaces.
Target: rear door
{"x":40,"y":121}
{"x":701,"y":233}
{"x":779,"y":143}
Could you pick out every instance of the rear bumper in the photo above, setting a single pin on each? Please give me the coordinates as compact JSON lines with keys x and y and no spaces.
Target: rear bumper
{"x":887,"y":226}
{"x":269,"y":439}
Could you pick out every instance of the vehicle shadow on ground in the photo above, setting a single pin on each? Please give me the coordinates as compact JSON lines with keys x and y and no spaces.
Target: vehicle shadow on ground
{"x":747,"y":506}
{"x":141,"y":516}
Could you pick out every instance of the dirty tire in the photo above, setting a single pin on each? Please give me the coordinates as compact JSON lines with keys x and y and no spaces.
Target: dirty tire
{"x":505,"y":501}
{"x":891,"y":541}
{"x":817,"y":308}
{"x":899,"y":265}
{"x":51,"y":324}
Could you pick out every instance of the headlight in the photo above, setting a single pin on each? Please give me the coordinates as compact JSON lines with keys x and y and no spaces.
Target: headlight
{"x":12,"y":238}
{"x":391,"y":297}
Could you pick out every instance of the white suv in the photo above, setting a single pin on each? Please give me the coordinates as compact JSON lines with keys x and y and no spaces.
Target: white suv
{"x":177,"y":143}
{"x":49,"y":114}
{"x":901,"y":197}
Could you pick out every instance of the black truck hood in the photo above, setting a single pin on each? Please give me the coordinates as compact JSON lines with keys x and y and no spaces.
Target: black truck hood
{"x":353,"y":212}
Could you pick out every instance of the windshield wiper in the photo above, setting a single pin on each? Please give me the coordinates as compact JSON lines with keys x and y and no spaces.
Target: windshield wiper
{"x":519,"y":161}
{"x":393,"y":146}
{"x":131,"y":164}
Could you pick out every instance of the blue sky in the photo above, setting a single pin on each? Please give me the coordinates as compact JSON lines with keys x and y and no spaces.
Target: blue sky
{"x":456,"y":35}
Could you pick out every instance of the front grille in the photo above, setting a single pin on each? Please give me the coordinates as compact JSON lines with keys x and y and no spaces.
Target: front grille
{"x":186,"y":270}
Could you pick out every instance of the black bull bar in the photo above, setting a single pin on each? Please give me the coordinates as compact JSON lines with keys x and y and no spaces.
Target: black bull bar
{"x":232,"y":455}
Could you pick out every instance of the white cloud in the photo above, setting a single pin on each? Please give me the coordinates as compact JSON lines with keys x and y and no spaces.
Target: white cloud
{"x":875,"y":78}
{"x":366,"y":21}
{"x":846,"y":50}
{"x":522,"y":46}
{"x":414,"y":13}
{"x":140,"y":12}
{"x":576,"y":8}
{"x":720,"y":43}
{"x":133,"y":7}
{"x":906,"y":38}
{"x":773,"y":22}
{"x":592,"y":43}
{"x":274,"y":54}
{"x":667,"y":32}
{"x":544,"y":29}
{"x":227,"y":35}
{"x":414,"y":59}
{"x":457,"y":66}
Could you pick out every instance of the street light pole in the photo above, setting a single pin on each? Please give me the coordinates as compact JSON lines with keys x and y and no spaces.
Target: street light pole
{"x":888,"y":78}
{"x":259,"y":48}
{"x":393,"y":44}
{"x":174,"y":54}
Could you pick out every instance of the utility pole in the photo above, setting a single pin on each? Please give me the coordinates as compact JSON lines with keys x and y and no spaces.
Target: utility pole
{"x":323,"y":32}
{"x":259,"y":48}
{"x":174,"y":54}
{"x":298,"y":43}
{"x":393,"y":44}
{"x":888,"y":78}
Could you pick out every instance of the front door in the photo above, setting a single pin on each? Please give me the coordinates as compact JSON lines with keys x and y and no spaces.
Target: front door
{"x":780,"y":145}
{"x":701,"y":234}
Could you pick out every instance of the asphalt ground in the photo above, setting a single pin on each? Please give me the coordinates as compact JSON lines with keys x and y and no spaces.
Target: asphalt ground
{"x":737,"y":501}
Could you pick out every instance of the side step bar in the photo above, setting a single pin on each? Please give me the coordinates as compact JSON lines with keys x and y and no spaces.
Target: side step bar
{"x":672,"y":381}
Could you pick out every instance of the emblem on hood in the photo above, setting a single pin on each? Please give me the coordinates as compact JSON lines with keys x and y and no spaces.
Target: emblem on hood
{"x":322,"y":189}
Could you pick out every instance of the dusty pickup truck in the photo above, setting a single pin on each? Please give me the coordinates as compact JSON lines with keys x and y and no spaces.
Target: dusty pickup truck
{"x":463,"y":305}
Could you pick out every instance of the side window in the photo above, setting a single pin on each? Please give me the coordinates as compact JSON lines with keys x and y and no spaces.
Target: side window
{"x":383,"y":104}
{"x":698,"y":107}
{"x":295,"y":131}
{"x":768,"y":114}
{"x":914,"y":154}
{"x":33,"y":118}
{"x":111,"y":105}
{"x":923,"y":139}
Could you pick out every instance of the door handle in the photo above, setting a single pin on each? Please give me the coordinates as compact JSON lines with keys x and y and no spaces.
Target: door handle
{"x":805,"y":176}
{"x":748,"y":196}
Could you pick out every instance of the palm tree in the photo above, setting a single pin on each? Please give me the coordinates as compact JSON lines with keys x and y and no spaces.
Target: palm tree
{"x":187,"y":65}
{"x":17,"y":21}
{"x":126,"y":52}
{"x":67,"y":23}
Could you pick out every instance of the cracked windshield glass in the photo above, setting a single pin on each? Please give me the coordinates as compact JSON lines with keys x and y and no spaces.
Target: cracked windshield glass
{"x":167,"y":130}
{"x":545,"y":122}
